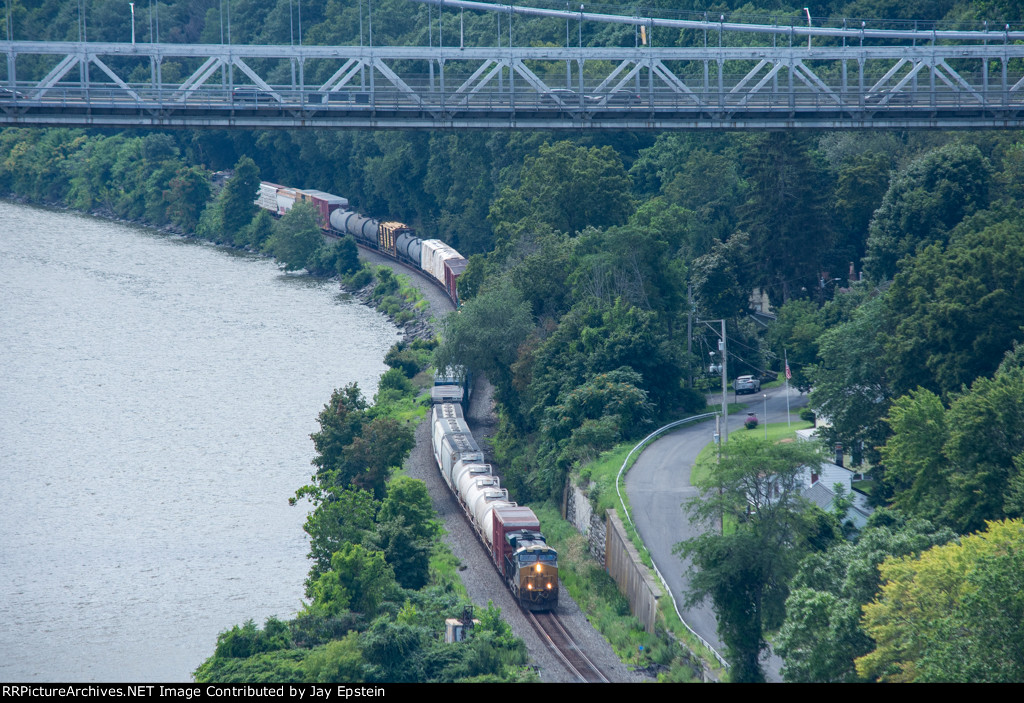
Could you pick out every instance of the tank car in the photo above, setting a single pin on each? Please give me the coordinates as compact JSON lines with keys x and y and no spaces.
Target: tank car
{"x":395,"y":239}
{"x":510,"y":532}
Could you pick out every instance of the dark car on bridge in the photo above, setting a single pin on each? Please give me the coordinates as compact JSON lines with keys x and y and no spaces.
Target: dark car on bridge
{"x":251,"y":95}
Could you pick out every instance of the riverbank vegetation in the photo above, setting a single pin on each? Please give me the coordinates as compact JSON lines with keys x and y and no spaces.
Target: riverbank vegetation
{"x":891,"y":260}
{"x":381,"y":583}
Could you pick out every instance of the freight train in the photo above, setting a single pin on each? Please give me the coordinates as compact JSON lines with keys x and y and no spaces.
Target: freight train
{"x":510,"y":532}
{"x":395,"y":239}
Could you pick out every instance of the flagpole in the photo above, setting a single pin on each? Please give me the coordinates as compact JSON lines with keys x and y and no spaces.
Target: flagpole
{"x":788,"y":374}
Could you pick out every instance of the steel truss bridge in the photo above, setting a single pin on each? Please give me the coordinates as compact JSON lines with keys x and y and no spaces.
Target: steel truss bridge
{"x":853,"y":78}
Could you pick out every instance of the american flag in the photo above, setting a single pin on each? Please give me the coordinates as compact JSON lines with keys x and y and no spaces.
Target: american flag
{"x":789,"y":374}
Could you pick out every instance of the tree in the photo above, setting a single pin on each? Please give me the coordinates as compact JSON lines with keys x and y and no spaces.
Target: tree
{"x":861,"y":183}
{"x":786,"y":214}
{"x":186,"y":197}
{"x":720,"y":278}
{"x":358,"y":580}
{"x":924,"y":202}
{"x":916,"y":469}
{"x":239,"y":197}
{"x":485,"y":336}
{"x":794,"y":336}
{"x":955,"y":613}
{"x":340,"y":516}
{"x":568,"y":187}
{"x":407,"y":530}
{"x":746,"y":571}
{"x":296,"y":237}
{"x":851,"y":385}
{"x":340,"y":421}
{"x":821,"y":635}
{"x":956,"y":309}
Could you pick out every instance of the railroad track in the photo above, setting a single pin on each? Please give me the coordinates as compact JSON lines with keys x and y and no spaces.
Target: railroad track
{"x":551,"y":630}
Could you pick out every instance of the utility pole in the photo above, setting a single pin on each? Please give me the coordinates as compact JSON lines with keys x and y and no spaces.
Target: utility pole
{"x":725,"y":388}
{"x":689,"y":331}
{"x":723,"y":348}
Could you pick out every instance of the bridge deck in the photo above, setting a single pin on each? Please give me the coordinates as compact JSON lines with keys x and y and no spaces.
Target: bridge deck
{"x":973,"y":85}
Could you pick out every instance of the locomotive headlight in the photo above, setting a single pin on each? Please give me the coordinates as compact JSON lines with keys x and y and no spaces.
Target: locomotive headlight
{"x":529,"y":587}
{"x":549,"y":586}
{"x":538,"y":568}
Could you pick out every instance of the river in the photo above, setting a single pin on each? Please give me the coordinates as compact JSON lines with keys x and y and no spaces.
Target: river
{"x":156,"y":400}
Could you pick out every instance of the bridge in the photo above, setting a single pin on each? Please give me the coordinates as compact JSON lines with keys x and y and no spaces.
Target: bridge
{"x":794,"y":77}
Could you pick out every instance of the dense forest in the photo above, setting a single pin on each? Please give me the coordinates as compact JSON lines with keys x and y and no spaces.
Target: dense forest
{"x":894,"y":262}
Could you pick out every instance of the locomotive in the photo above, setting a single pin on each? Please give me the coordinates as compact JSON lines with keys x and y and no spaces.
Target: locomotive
{"x":510,"y":532}
{"x":395,"y":239}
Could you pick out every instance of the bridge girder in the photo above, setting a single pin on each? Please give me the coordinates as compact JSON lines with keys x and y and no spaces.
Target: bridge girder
{"x":924,"y":86}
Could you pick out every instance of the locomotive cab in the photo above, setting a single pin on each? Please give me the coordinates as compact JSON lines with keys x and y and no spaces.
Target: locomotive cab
{"x":531,"y":570}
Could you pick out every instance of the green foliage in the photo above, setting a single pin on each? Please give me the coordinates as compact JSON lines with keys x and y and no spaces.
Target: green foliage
{"x":339,"y":660}
{"x":851,"y":385}
{"x":186,"y":197}
{"x":340,"y":516}
{"x":340,"y":421}
{"x":245,"y":641}
{"x":334,"y":258}
{"x":238,"y":198}
{"x":953,"y":614}
{"x":861,"y":183}
{"x":410,"y":358}
{"x":485,"y":336}
{"x":358,"y":580}
{"x":406,"y":531}
{"x":295,"y":238}
{"x":719,"y":277}
{"x":747,"y":572}
{"x":960,"y":466}
{"x":284,"y":666}
{"x":794,"y":335}
{"x":395,"y":380}
{"x":786,"y":214}
{"x":915,"y":466}
{"x":956,"y":309}
{"x":569,"y":188}
{"x":924,"y":202}
{"x":821,"y":636}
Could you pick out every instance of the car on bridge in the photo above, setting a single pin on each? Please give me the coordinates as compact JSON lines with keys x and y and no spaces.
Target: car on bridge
{"x":251,"y":95}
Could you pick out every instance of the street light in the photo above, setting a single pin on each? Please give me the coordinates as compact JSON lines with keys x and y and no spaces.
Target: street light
{"x":807,"y":10}
{"x":132,"y":6}
{"x":765,"y":416}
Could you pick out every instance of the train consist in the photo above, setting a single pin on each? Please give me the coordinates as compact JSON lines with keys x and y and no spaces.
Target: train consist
{"x":511,"y":532}
{"x":432,"y":256}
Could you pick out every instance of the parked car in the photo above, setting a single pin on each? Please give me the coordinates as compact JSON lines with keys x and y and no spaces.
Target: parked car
{"x":746,"y":384}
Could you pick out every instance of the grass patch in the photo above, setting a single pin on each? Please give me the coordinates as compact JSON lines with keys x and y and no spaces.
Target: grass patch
{"x":444,"y":571}
{"x":776,"y":431}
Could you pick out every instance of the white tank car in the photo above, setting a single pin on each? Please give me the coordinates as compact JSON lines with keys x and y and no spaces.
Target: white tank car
{"x":465,"y":473}
{"x":463,"y":469}
{"x":511,"y":533}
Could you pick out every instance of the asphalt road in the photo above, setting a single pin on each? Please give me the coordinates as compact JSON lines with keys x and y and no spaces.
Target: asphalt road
{"x":659,"y":484}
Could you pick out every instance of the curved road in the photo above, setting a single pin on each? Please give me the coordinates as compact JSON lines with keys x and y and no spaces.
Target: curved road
{"x":658,"y":485}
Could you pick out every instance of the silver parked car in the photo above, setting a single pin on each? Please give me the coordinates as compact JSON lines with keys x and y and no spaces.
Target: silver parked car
{"x":746,"y":384}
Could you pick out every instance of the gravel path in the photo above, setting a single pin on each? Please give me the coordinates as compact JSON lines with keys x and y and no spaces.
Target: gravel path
{"x":478,"y":574}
